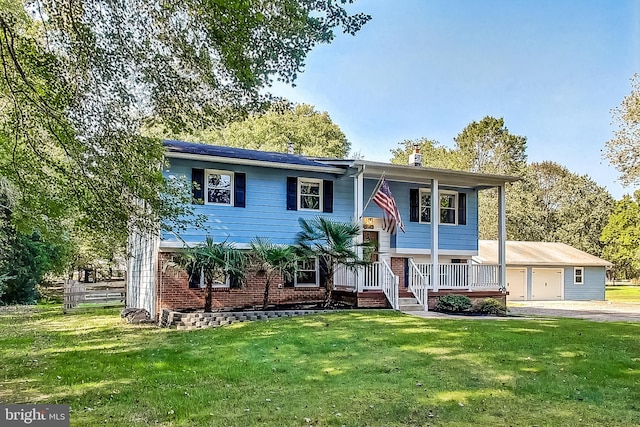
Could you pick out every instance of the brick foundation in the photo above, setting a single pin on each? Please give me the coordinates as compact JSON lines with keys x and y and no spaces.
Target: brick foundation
{"x":173,"y":291}
{"x":397,"y":266}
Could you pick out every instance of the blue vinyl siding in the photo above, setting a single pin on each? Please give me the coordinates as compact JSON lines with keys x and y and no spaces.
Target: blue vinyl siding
{"x":418,"y":235}
{"x":266,"y":213}
{"x":592,"y":288}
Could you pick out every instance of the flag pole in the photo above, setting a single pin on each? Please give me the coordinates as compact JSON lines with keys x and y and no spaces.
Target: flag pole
{"x":375,"y":190}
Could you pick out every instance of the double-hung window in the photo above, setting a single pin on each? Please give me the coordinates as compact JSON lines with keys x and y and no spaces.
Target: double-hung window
{"x":578,"y":275}
{"x":447,"y":206}
{"x":310,"y":194}
{"x":219,"y":187}
{"x":307,"y":272}
{"x":197,"y":280}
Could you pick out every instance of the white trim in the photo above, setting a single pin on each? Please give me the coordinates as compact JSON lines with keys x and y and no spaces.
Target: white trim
{"x":308,"y":285}
{"x":320,"y":183}
{"x":440,"y":193}
{"x":575,"y":275}
{"x":444,"y":252}
{"x":231,"y":175}
{"x":175,"y":245}
{"x":202,"y":285}
{"x":257,"y":163}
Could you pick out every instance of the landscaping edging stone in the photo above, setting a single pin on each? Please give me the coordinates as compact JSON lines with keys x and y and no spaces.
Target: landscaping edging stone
{"x":190,"y":321}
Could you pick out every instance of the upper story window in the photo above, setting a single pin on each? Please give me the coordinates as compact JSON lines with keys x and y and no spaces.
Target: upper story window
{"x":310,"y":194}
{"x":219,"y":189}
{"x":448,"y":206}
{"x":578,"y":275}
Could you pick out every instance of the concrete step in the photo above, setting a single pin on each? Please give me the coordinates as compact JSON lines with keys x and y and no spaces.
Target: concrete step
{"x":411,"y":307}
{"x":408,"y":300}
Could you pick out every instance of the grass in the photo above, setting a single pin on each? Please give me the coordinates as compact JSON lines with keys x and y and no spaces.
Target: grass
{"x":374,"y":368}
{"x":623,"y":293}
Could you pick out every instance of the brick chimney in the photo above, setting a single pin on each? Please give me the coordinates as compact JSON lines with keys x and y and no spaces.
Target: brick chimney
{"x":415,"y":158}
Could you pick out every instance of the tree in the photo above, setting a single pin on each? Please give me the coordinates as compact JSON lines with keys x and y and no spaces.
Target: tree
{"x":312,"y":133}
{"x":32,"y":257}
{"x":621,"y":238}
{"x":333,"y":243}
{"x":553,"y":204}
{"x":434,"y":154}
{"x":623,"y":150}
{"x":488,"y":147}
{"x":79,"y":80}
{"x":274,"y":260}
{"x":216,"y":262}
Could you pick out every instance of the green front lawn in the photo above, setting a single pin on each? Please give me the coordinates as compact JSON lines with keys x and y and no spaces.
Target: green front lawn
{"x":375,"y":368}
{"x":623,"y":293}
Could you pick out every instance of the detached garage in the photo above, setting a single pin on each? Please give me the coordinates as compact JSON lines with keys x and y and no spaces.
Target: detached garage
{"x":547,"y":271}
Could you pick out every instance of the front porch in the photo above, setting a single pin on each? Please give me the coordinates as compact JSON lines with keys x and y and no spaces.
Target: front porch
{"x":378,"y":283}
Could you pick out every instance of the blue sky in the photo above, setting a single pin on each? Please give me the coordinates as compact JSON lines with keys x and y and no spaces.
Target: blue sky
{"x":553,"y":69}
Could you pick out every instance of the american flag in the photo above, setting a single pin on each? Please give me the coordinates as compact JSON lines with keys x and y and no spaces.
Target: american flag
{"x":391,"y":218}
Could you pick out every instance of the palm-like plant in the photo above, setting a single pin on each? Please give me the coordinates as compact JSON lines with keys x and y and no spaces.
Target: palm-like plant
{"x":274,"y":260}
{"x":213,"y":260}
{"x":334,"y":243}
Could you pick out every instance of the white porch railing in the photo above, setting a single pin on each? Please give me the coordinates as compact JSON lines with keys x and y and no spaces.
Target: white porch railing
{"x":345,"y":278}
{"x":389,"y":284}
{"x":418,"y":283}
{"x":463,"y":276}
{"x":376,"y":276}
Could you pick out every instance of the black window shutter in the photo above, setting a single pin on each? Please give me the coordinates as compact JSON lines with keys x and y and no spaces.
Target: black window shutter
{"x":406,"y":272}
{"x":414,"y":205}
{"x":292,"y":193}
{"x":194,"y":280}
{"x":239,"y":189}
{"x":327,"y":196}
{"x":197,"y":183}
{"x":234,"y":281}
{"x":462,"y":209}
{"x":288,"y":281}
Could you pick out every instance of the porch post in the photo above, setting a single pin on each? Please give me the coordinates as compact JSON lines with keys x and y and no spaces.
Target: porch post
{"x":435,"y":222}
{"x":358,"y":192}
{"x":502,"y":236}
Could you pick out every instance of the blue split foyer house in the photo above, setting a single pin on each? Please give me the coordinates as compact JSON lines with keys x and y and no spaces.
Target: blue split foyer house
{"x":246,"y":194}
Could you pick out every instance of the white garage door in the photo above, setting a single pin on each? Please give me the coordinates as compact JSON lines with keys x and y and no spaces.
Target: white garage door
{"x":546,"y":284}
{"x":516,"y":284}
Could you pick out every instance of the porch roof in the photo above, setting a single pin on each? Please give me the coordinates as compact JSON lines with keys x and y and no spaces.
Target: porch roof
{"x":422,"y":175}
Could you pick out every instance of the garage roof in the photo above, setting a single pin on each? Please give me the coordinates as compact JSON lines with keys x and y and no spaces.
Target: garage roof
{"x":538,"y":254}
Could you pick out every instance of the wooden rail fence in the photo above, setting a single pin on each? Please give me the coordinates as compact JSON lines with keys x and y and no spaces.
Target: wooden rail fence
{"x":78,"y":295}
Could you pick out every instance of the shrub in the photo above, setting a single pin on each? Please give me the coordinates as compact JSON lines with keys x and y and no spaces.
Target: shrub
{"x":453,"y":303}
{"x":491,"y":306}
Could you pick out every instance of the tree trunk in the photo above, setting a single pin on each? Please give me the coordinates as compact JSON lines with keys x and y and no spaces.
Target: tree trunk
{"x":328,"y":301}
{"x":265,"y":300}
{"x":208,"y":297}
